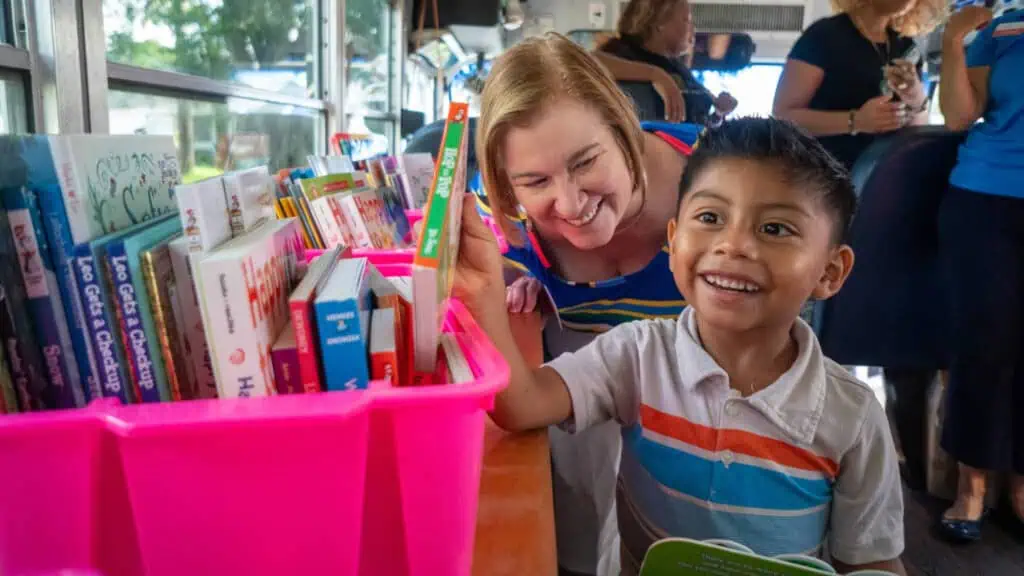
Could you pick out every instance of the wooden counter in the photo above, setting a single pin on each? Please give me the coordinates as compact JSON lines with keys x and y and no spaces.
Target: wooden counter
{"x":515,"y":530}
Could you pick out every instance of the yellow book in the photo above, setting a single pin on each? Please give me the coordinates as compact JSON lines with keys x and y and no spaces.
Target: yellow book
{"x":158,"y":272}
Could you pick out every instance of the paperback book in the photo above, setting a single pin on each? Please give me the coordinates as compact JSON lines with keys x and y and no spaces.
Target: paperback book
{"x":343,"y":310}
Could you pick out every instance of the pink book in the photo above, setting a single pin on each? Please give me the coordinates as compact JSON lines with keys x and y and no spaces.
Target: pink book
{"x":300,"y":305}
{"x":285,"y":357}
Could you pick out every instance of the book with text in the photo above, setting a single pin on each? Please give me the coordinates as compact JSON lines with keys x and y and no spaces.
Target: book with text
{"x":300,"y":305}
{"x":285,"y":356}
{"x":243,"y":289}
{"x":438,"y":245}
{"x":343,"y":310}
{"x":203,"y":209}
{"x":192,"y":333}
{"x":158,"y":272}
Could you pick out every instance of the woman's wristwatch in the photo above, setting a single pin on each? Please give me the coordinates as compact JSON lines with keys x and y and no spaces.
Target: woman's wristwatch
{"x":852,"y":123}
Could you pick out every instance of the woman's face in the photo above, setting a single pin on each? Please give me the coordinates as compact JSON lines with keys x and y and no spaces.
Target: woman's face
{"x":677,"y":31}
{"x":569,"y":174}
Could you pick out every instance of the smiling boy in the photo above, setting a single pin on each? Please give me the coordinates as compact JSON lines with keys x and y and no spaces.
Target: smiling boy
{"x":735,"y":425}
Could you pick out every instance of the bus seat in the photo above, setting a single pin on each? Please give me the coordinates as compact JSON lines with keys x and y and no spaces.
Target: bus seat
{"x":646,"y":101}
{"x":892,"y":310}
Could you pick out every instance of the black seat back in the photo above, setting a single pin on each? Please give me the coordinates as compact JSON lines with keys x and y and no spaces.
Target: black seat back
{"x":428,"y":139}
{"x":892,"y":310}
{"x":646,"y":101}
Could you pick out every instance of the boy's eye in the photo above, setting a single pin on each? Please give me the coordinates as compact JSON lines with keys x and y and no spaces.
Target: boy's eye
{"x":776,"y":229}
{"x":708,"y":218}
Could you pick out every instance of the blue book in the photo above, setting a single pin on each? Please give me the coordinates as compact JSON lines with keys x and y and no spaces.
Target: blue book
{"x":141,"y":341}
{"x":16,"y":331}
{"x":100,"y":321}
{"x":44,"y":299}
{"x":343,"y":309}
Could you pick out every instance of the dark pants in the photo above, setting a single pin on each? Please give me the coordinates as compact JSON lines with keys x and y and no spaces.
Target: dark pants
{"x":907,"y":403}
{"x":982,"y":242}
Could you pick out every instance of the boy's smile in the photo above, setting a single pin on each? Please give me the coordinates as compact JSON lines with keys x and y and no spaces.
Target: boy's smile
{"x":749,"y":247}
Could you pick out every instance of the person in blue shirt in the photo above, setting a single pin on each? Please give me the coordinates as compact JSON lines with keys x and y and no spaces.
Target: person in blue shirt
{"x":582,"y":194}
{"x":981,"y":228}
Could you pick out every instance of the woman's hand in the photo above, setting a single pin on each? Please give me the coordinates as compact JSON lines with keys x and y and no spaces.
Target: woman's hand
{"x":880,"y":115}
{"x":671,"y":94}
{"x":521,"y":296}
{"x":904,"y":81}
{"x":479,"y":278}
{"x":964,"y":22}
{"x":725,"y":103}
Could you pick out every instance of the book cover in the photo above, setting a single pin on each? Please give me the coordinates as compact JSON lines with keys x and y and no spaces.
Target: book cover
{"x":322,"y":195}
{"x":158,"y":273}
{"x":44,"y":300}
{"x":383,"y":350}
{"x":343,"y":310}
{"x":203,"y":209}
{"x":250,"y":198}
{"x":685,"y":556}
{"x":438,"y":245}
{"x":243,"y":289}
{"x":17,"y":334}
{"x":192,"y":333}
{"x":419,"y":173}
{"x":300,"y":305}
{"x":394,"y":209}
{"x":103,"y":318}
{"x":459,"y":370}
{"x":139,"y":336}
{"x":302,"y":206}
{"x":285,"y":356}
{"x":396,"y":293}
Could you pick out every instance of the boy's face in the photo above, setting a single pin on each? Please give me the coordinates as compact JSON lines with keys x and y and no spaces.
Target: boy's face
{"x":748,"y":248}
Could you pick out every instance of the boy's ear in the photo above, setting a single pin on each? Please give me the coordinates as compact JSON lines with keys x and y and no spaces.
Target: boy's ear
{"x":837,"y":270}
{"x":671,"y":242}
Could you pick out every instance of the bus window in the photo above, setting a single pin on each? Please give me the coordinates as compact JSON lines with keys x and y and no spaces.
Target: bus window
{"x":753,"y":86}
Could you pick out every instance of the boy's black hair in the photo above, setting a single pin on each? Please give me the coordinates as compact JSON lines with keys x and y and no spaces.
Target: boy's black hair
{"x":799,"y":155}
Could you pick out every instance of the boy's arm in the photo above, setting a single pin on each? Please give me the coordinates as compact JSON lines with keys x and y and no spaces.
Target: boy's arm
{"x":535,"y":397}
{"x":867,"y":501}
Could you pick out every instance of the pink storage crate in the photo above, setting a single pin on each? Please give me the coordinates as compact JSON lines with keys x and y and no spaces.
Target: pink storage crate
{"x":377,"y":482}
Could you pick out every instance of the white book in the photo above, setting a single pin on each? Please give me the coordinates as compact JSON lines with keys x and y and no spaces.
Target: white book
{"x":250,"y":198}
{"x":459,"y":370}
{"x":192,"y":334}
{"x":244,"y":287}
{"x":203,"y":210}
{"x":419,"y":173}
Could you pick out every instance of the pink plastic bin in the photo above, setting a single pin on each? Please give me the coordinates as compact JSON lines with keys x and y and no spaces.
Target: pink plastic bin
{"x":377,"y":482}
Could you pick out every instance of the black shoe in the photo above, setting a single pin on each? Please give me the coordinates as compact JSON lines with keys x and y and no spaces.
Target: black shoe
{"x":961,"y":531}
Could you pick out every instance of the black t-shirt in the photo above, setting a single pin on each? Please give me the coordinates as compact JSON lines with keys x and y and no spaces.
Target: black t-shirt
{"x":854,"y":74}
{"x":697,"y":98}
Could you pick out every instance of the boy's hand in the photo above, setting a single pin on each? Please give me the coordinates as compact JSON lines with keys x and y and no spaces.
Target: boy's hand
{"x":521,"y":295}
{"x":964,"y":22}
{"x":479,"y":279}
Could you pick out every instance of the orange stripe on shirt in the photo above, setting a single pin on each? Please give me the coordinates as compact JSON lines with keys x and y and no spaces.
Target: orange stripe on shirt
{"x":738,"y":441}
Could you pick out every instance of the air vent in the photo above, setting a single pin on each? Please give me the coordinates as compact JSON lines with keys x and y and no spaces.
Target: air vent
{"x":748,"y":17}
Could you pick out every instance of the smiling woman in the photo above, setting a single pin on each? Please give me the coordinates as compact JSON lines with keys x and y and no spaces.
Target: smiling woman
{"x":584,"y":194}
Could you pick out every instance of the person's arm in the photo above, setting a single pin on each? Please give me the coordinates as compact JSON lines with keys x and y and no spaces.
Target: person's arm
{"x":963,"y":86}
{"x":624,"y":70}
{"x":866,"y":523}
{"x":797,"y":86}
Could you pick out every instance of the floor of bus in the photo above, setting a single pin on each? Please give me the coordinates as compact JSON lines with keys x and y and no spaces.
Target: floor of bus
{"x":999,"y":553}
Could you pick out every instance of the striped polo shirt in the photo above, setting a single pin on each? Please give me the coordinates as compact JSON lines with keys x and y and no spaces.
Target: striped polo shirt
{"x":597,"y":306}
{"x":805,"y":465}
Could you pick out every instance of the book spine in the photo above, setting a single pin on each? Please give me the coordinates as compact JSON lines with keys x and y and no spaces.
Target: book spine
{"x":61,"y":245}
{"x":194,"y":331}
{"x":360,"y":232}
{"x":237,"y":354}
{"x":99,"y":328}
{"x":8,"y":397}
{"x":17,"y":334}
{"x":45,"y":305}
{"x":305,"y":344}
{"x":342,"y":345}
{"x":135,"y":340}
{"x":286,"y":370}
{"x":127,"y":357}
{"x":155,"y":273}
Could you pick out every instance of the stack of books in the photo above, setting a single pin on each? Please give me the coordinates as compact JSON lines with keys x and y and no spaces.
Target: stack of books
{"x":118,"y":281}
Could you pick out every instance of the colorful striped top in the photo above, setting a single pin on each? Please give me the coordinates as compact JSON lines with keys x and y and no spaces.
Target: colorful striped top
{"x":597,"y":306}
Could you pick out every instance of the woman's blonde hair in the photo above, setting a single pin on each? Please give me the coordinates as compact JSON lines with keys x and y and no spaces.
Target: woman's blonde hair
{"x":640,"y":17}
{"x":523,"y":81}
{"x":922,"y":17}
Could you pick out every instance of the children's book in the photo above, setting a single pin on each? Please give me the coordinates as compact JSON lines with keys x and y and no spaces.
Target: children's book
{"x":8,"y":397}
{"x":418,"y":171}
{"x":243,"y":289}
{"x":17,"y":333}
{"x":203,"y":209}
{"x":396,"y":293}
{"x":45,"y":304}
{"x":459,"y":371}
{"x":250,"y":198}
{"x":713,"y":558}
{"x":343,"y":310}
{"x":300,"y":305}
{"x":158,"y":272}
{"x":192,"y":333}
{"x":139,"y":334}
{"x":438,"y":245}
{"x":285,"y":356}
{"x":383,"y":350}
